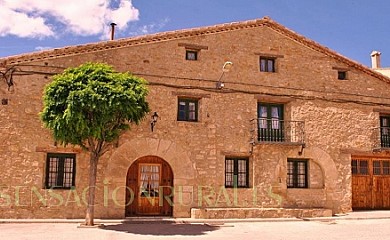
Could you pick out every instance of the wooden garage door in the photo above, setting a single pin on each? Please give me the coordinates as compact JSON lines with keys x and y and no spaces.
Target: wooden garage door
{"x":370,"y":183}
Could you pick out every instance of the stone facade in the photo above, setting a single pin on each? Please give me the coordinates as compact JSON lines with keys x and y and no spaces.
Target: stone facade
{"x":338,"y":118}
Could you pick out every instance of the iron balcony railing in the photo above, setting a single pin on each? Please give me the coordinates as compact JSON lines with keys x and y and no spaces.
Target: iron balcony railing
{"x":278,"y":131}
{"x":381,"y":137}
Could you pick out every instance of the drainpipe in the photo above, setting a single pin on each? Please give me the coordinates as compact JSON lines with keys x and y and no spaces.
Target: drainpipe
{"x":112,"y":30}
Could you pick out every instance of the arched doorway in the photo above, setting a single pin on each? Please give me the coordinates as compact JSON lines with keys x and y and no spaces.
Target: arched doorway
{"x":149,"y":189}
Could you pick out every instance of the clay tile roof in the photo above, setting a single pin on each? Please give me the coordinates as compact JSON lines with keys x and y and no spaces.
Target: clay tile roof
{"x":178,"y":34}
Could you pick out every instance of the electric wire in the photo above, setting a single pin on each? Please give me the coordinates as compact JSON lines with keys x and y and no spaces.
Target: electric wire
{"x":233,"y":90}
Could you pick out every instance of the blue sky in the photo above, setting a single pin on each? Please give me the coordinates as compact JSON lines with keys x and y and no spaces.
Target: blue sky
{"x":353,"y":28}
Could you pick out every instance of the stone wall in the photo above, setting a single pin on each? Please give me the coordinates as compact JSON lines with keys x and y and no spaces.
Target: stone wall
{"x":338,"y":116}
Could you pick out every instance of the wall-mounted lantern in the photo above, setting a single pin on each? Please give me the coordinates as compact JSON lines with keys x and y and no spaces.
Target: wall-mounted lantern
{"x":153,"y":120}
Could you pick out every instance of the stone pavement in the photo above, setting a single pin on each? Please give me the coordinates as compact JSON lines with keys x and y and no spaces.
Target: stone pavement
{"x":356,"y":215}
{"x":357,"y":225}
{"x":360,"y":215}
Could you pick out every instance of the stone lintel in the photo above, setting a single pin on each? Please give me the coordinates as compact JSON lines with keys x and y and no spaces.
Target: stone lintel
{"x":191,"y":95}
{"x":272,"y":99}
{"x":54,"y":149}
{"x":270,"y":55}
{"x":193,"y":46}
{"x":235,"y":154}
{"x":382,"y":110}
{"x":341,"y":68}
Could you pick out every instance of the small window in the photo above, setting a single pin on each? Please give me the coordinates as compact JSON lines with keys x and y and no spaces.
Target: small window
{"x":342,"y":75}
{"x":60,"y":170}
{"x":359,"y":167}
{"x":381,"y":167}
{"x":386,"y":167}
{"x":187,"y":110}
{"x":297,"y":174}
{"x":236,"y":172}
{"x":149,"y":179}
{"x":267,"y":64}
{"x":376,"y":167}
{"x":191,"y":55}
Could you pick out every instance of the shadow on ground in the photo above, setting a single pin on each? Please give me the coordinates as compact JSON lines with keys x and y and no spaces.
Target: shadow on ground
{"x":167,"y":229}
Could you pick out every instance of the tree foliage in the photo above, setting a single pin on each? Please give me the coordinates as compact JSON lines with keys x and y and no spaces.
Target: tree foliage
{"x":93,"y":102}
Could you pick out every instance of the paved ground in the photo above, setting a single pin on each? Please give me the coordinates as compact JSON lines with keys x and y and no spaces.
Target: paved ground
{"x":359,"y":225}
{"x":339,"y":229}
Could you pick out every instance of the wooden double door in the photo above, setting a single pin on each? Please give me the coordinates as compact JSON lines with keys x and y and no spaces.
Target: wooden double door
{"x":370,"y":183}
{"x":149,"y":189}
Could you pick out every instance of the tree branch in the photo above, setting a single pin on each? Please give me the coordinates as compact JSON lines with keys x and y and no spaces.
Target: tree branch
{"x":91,"y":144}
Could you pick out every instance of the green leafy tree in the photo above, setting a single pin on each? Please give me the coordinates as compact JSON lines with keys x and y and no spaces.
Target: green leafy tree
{"x":91,"y":106}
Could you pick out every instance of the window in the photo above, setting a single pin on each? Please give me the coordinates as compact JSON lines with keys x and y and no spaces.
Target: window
{"x":297,"y":175}
{"x":267,"y":64}
{"x":150,"y":175}
{"x":270,"y":122}
{"x":191,"y":55}
{"x":60,"y":170}
{"x":237,"y":172}
{"x":385,"y":131}
{"x":381,"y":167}
{"x":342,"y":75}
{"x":359,"y":167}
{"x":187,"y":110}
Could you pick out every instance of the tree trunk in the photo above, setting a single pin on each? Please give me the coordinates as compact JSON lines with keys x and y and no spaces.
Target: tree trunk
{"x":93,"y":162}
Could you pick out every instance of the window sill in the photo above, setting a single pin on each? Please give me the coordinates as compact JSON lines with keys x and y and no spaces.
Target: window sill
{"x":184,"y":123}
{"x":59,"y":188}
{"x":304,"y":189}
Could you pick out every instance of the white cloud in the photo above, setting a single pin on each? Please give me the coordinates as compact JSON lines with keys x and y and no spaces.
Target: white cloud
{"x":45,"y":18}
{"x":41,"y":48}
{"x":150,"y":28}
{"x":22,"y":25}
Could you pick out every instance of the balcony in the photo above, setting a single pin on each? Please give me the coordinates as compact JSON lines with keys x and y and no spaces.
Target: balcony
{"x":381,"y":138}
{"x":275,"y":131}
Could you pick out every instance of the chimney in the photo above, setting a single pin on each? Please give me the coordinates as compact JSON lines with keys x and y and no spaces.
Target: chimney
{"x":112,"y":30}
{"x":376,"y":59}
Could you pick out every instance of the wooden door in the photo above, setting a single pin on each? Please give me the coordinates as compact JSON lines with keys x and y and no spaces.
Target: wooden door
{"x":149,"y":188}
{"x":370,"y":183}
{"x":149,"y":178}
{"x":361,"y":184}
{"x":381,"y":183}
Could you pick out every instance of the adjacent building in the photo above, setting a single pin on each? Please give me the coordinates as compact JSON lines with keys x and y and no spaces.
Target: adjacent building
{"x":376,"y":64}
{"x":250,"y":119}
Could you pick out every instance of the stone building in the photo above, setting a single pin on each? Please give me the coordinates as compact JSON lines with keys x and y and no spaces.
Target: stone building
{"x":254,"y":120}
